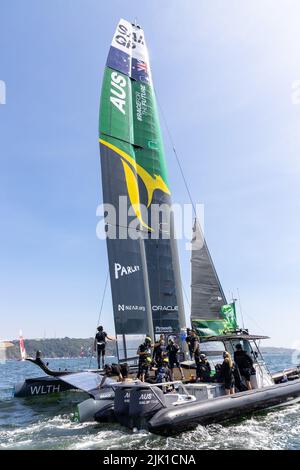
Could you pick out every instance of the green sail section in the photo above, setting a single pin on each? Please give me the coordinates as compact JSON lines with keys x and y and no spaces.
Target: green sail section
{"x":147,"y":134}
{"x":115,"y":117}
{"x":128,"y":112}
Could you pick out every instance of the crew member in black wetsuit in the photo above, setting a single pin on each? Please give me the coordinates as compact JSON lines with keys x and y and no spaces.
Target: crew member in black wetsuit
{"x":100,"y":344}
{"x":125,"y":371}
{"x":145,"y":358}
{"x":195,"y":347}
{"x":164,"y":372}
{"x":172,"y":351}
{"x":159,"y":351}
{"x":203,"y":369}
{"x":227,"y":373}
{"x":244,"y":364}
{"x":110,"y":371}
{"x":188,"y":341}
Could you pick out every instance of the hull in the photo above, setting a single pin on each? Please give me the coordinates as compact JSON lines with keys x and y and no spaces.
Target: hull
{"x":41,"y":386}
{"x":170,"y":419}
{"x":95,"y":410}
{"x":187,"y":416}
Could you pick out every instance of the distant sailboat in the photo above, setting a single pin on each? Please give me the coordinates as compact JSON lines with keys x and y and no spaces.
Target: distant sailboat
{"x":22,"y":346}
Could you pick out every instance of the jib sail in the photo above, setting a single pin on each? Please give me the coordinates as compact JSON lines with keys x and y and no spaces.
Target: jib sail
{"x":210,"y":314}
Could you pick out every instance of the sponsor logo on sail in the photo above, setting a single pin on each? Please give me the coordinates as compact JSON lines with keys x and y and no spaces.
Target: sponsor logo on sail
{"x":138,"y":308}
{"x":163,"y":329}
{"x":127,"y":38}
{"x":121,"y":271}
{"x":141,"y":102}
{"x":117,"y":90}
{"x":164,"y":308}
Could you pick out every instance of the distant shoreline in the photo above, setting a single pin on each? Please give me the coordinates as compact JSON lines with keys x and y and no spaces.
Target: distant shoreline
{"x":59,"y":348}
{"x":71,"y":348}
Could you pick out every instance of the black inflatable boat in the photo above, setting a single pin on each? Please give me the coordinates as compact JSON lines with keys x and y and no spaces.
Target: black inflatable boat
{"x":146,"y":406}
{"x":177,"y":406}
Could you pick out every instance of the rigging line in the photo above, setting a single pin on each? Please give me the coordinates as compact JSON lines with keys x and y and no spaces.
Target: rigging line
{"x":186,"y":296}
{"x":101,"y":307}
{"x":250,"y":317}
{"x":188,"y":192}
{"x":176,"y":155}
{"x":256,"y":323}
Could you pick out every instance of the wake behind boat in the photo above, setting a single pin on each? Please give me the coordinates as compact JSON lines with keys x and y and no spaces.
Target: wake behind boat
{"x":146,"y":282}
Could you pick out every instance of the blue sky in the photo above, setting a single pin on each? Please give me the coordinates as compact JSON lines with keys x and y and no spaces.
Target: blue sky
{"x":223,"y":72}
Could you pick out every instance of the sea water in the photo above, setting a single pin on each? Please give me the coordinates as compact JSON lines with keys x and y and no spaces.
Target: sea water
{"x":45,"y":422}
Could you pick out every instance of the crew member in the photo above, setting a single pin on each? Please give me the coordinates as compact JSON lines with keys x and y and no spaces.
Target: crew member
{"x":159,"y":351}
{"x":145,"y":358}
{"x":100,"y":344}
{"x":125,"y":370}
{"x":245,"y":364}
{"x":163,"y":372}
{"x":195,"y":345}
{"x":227,"y":373}
{"x":109,"y":371}
{"x":203,"y":369}
{"x":172,"y":351}
{"x":188,"y":342}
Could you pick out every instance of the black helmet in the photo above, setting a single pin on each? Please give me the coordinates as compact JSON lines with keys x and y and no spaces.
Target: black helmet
{"x":100,"y":328}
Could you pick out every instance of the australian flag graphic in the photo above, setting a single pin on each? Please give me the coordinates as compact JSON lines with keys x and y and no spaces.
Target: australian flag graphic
{"x":118,"y":60}
{"x":139,"y":70}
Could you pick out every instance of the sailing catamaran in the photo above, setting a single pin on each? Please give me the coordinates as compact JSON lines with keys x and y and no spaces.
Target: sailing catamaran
{"x":145,"y":274}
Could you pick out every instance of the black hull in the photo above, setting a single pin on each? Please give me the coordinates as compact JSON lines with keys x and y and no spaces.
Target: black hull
{"x":184,"y":417}
{"x":41,"y":386}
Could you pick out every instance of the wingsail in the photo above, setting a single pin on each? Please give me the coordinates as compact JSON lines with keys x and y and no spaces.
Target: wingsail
{"x":144,"y":272}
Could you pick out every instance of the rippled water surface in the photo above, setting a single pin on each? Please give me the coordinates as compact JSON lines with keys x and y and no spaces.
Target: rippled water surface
{"x":44,"y":422}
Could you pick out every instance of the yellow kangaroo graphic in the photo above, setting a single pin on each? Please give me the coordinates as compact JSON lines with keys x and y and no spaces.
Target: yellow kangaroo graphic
{"x":151,"y":183}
